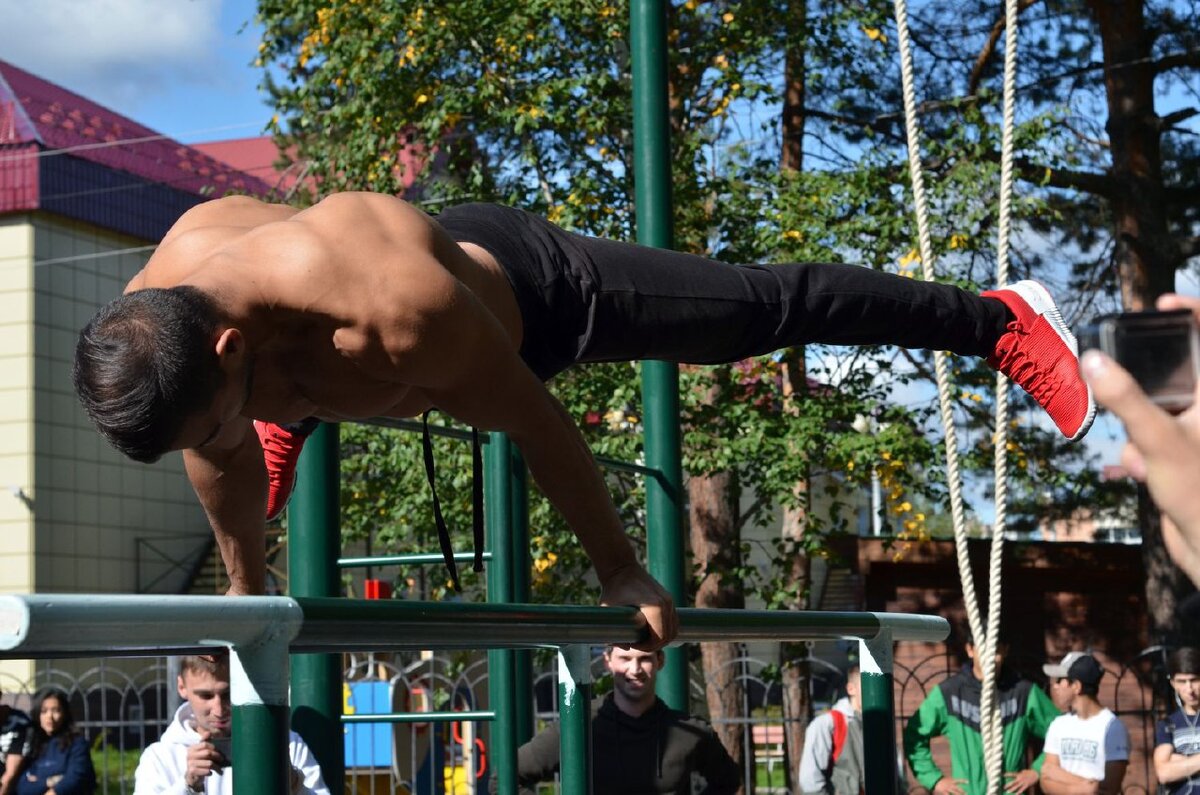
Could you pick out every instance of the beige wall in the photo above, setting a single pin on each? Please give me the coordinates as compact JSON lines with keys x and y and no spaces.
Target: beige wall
{"x":90,"y":503}
{"x":71,"y":508}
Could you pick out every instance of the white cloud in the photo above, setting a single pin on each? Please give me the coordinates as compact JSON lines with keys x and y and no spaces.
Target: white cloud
{"x":125,"y":54}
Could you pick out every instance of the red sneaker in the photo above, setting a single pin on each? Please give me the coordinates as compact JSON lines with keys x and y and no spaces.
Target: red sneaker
{"x":281,"y":451}
{"x":1040,"y":353}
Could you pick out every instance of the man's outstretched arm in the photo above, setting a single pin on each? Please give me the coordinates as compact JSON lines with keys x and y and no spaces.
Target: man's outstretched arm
{"x":230,"y":480}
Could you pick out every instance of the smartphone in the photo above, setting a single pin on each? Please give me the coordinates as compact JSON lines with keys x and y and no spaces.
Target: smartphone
{"x":1161,"y":350}
{"x":225,"y":746}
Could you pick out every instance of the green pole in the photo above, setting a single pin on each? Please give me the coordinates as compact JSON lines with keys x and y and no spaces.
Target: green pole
{"x":314,"y":544}
{"x":258,"y":690}
{"x":522,"y":659}
{"x":575,"y":719}
{"x":498,"y":510}
{"x":660,"y":380}
{"x":879,"y":716}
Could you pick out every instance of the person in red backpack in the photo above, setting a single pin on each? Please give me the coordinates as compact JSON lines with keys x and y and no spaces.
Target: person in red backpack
{"x":832,"y":761}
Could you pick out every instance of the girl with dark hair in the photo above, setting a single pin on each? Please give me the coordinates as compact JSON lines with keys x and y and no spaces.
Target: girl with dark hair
{"x":58,"y":762}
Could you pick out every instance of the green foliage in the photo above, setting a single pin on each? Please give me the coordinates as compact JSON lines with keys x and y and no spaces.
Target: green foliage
{"x":530,"y":104}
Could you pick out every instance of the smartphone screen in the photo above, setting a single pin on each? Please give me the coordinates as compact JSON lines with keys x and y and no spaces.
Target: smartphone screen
{"x":1160,"y":350}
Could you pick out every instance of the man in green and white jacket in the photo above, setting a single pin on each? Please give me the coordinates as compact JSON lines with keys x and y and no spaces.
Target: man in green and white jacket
{"x":951,"y":710}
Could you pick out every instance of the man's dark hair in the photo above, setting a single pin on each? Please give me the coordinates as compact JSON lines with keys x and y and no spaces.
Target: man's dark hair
{"x":1185,"y":660}
{"x":146,"y":362}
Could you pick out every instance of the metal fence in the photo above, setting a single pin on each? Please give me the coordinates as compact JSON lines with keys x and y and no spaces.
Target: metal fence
{"x":122,"y":710}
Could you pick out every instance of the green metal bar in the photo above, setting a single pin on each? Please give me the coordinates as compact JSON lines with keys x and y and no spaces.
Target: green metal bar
{"x":421,"y":717}
{"x":258,"y":690}
{"x":660,"y":380}
{"x":260,"y":737}
{"x":519,"y":582}
{"x":575,"y":719}
{"x":314,"y":544}
{"x":434,"y":430}
{"x":501,"y":675}
{"x":879,"y":717}
{"x":414,"y":559}
{"x":119,"y":625}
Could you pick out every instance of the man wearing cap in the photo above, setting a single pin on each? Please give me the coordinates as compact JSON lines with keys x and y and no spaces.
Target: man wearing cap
{"x":1177,"y":739}
{"x":1087,"y":750}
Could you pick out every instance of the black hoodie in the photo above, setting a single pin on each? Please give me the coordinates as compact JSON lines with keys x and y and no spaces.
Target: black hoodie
{"x":648,"y":755}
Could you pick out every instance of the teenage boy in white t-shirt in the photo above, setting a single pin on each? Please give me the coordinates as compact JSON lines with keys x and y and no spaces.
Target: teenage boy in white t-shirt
{"x":1087,"y":750}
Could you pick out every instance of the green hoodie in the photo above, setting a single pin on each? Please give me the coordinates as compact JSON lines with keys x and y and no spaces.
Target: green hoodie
{"x":952,"y":710}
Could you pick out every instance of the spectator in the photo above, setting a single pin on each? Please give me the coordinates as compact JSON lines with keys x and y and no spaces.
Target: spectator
{"x":640,"y":746}
{"x":952,"y":710}
{"x":1177,"y":739}
{"x":1060,"y":689}
{"x":832,"y":761}
{"x":15,"y":734}
{"x":194,"y":754}
{"x":59,"y":762}
{"x":1087,"y":750}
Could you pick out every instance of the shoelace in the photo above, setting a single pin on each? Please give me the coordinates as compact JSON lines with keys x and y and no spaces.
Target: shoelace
{"x":1019,"y":367}
{"x":476,"y":502}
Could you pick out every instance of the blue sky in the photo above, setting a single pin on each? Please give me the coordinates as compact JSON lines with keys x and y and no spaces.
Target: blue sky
{"x":182,"y":67}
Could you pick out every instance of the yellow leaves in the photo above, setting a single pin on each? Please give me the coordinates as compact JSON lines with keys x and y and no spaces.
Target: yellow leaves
{"x":541,"y":564}
{"x":721,"y":62}
{"x":422,"y":99}
{"x":850,"y":466}
{"x":886,"y":455}
{"x":690,"y":5}
{"x":793,"y":234}
{"x":913,"y":257}
{"x":722,"y":106}
{"x":608,"y":11}
{"x":555,"y":214}
{"x":727,"y":17}
{"x":875,"y":34}
{"x":959,"y":241}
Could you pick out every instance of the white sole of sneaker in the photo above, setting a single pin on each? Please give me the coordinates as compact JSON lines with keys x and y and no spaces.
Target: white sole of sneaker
{"x":1039,"y":299}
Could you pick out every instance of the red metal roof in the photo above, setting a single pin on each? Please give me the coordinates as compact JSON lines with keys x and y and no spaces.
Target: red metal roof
{"x":36,"y":111}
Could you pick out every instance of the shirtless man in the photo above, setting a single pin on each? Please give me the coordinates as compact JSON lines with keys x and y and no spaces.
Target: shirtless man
{"x":364,"y":306}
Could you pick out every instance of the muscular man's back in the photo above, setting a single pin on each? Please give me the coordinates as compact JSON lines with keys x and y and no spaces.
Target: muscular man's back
{"x":338,"y":301}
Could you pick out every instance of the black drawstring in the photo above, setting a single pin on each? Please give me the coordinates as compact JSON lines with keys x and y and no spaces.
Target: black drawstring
{"x":443,"y":533}
{"x":476,"y":502}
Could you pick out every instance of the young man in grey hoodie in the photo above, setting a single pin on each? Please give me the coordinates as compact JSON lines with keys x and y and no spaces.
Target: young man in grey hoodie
{"x":195,"y":753}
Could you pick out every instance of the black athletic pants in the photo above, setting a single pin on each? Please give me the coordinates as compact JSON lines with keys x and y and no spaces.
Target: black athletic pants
{"x":584,"y":299}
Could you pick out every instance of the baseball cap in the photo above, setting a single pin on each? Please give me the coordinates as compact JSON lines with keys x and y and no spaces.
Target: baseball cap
{"x":1085,"y":670}
{"x":1060,"y":671}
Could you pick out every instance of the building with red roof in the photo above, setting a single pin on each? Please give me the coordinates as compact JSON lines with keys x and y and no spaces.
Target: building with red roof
{"x":85,"y":195}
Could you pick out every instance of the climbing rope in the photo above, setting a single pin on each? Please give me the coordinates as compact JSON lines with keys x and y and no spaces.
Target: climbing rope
{"x":990,"y":720}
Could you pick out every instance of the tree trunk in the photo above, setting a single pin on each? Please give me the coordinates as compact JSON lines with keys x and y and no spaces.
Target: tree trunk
{"x":797,"y":703}
{"x":1146,"y":255}
{"x":716,"y":547}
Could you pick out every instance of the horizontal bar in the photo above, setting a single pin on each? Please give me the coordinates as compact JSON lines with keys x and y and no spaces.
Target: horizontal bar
{"x":413,"y":559}
{"x":625,"y":466}
{"x":64,"y":625}
{"x":45,"y":625}
{"x":416,"y":426}
{"x":420,"y":717}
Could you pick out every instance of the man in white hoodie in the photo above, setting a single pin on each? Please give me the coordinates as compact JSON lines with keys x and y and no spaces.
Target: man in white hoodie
{"x":832,"y":761}
{"x":195,"y":753}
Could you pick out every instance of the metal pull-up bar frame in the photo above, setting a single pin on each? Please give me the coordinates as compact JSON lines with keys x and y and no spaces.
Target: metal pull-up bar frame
{"x":260,"y":631}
